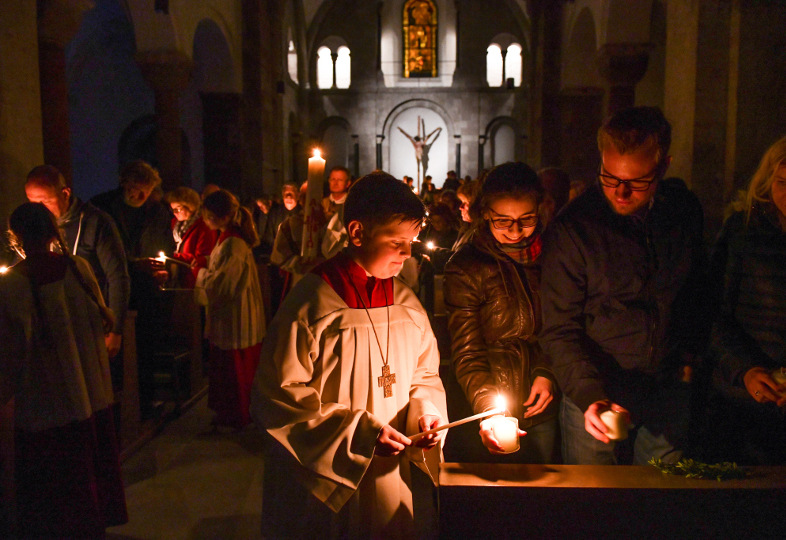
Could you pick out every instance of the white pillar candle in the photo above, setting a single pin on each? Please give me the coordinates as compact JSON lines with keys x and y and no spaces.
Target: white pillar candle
{"x":506,"y":430}
{"x":316,"y":178}
{"x":617,"y":423}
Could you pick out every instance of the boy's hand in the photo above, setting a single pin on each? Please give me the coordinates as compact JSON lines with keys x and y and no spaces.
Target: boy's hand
{"x":425,"y":423}
{"x":390,"y":442}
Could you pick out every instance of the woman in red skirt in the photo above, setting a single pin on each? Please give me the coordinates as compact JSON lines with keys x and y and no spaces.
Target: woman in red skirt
{"x":229,"y":287}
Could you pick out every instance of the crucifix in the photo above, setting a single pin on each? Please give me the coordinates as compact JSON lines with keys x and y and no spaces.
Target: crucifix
{"x":422,"y":144}
{"x":387,"y":380}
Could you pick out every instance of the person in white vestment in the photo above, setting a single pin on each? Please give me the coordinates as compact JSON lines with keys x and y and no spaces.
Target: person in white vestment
{"x":348,"y":373}
{"x":235,"y":325}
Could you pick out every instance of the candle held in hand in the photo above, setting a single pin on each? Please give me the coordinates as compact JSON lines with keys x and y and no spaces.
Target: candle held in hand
{"x":506,"y":431}
{"x":499,"y":409}
{"x":617,"y":423}
{"x":311,"y":223}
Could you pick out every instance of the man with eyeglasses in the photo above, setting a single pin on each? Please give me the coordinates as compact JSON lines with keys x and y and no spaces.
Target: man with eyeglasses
{"x":622,"y":298}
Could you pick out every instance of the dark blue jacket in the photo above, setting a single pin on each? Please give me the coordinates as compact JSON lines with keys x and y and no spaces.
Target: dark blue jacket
{"x":622,"y":296}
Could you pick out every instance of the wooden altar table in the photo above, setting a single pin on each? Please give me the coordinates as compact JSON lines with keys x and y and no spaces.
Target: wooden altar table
{"x":480,"y":500}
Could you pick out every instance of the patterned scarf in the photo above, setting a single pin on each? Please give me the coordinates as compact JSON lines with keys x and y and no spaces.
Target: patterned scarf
{"x":526,"y":251}
{"x":181,"y":228}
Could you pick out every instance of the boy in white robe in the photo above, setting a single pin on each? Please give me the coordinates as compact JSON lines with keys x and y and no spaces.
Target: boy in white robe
{"x":349,"y":367}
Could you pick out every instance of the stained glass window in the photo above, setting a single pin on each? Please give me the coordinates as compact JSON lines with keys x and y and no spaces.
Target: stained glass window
{"x":420,"y":38}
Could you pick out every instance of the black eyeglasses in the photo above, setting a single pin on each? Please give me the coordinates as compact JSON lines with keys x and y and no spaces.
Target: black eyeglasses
{"x":635,"y":184}
{"x":506,"y":223}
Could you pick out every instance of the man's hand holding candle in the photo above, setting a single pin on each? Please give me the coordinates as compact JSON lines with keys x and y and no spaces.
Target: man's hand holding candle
{"x":595,"y":425}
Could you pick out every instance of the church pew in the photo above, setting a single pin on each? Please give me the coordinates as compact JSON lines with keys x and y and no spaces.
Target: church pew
{"x":582,"y":501}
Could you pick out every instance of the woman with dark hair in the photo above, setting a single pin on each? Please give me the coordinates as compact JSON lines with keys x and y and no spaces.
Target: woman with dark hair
{"x":229,"y":287}
{"x":749,"y":334}
{"x":54,"y":363}
{"x":194,"y":240}
{"x":491,"y":293}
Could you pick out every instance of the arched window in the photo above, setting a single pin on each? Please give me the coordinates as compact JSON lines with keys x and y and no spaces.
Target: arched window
{"x":494,"y":65}
{"x":419,"y":21}
{"x":292,"y":61}
{"x":324,"y":68}
{"x":503,"y":61}
{"x":343,"y":68}
{"x":513,"y":64}
{"x":334,"y":64}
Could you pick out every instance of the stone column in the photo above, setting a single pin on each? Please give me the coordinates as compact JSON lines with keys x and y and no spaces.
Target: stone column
{"x":168,"y":73}
{"x":622,"y":65}
{"x":58,"y":23}
{"x":20,"y":106}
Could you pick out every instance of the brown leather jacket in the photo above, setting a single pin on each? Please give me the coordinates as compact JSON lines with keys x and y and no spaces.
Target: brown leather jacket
{"x":493,"y":306}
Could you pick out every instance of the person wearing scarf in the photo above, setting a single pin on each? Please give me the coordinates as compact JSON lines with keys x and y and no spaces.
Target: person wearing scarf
{"x":493,"y":303}
{"x":193,"y":238}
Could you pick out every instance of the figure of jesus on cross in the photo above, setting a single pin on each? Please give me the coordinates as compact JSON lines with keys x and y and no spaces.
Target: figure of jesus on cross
{"x":422,"y":143}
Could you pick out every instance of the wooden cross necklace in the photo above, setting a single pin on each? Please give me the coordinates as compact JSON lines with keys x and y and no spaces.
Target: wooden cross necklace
{"x":387,"y":379}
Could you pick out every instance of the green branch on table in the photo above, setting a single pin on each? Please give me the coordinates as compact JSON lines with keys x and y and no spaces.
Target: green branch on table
{"x":690,"y":468}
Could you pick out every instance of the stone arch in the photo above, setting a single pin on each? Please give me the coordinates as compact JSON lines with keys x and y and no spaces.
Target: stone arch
{"x":504,"y":135}
{"x":106,"y":94}
{"x":391,"y":46}
{"x":335,"y":140}
{"x":210,"y":107}
{"x":138,"y":141}
{"x":624,"y":21}
{"x":578,"y":65}
{"x":152,"y":30}
{"x":214,"y":69}
{"x":398,"y":150}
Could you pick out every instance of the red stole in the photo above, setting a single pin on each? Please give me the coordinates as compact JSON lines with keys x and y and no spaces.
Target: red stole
{"x":349,"y":279}
{"x":231,"y":231}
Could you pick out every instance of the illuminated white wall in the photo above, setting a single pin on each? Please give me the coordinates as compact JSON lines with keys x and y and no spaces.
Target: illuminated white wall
{"x":401,"y":154}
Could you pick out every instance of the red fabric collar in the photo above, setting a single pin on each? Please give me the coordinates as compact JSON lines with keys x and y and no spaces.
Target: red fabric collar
{"x":341,"y":272}
{"x":229,"y":233}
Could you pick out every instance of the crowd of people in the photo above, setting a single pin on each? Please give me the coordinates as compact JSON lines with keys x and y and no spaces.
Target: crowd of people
{"x":573,"y":302}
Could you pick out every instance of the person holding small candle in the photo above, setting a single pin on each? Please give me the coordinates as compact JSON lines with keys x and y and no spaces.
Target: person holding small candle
{"x":235,"y":325}
{"x":749,"y":334}
{"x":194,"y":239}
{"x":491,"y":293}
{"x":349,"y":368}
{"x":624,"y":299}
{"x":54,"y":363}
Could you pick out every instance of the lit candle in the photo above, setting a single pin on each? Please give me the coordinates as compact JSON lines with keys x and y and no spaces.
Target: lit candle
{"x":316,"y":178}
{"x":430,"y":244}
{"x":506,"y":430}
{"x":3,"y":269}
{"x":617,"y":422}
{"x":162,"y":258}
{"x":499,"y":409}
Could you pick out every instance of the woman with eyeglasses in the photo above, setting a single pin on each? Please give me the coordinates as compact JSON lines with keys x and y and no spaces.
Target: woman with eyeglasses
{"x":193,"y":238}
{"x":491,"y":294}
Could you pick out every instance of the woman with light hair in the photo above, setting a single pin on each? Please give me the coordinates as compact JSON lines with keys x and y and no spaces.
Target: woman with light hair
{"x":749,"y":335}
{"x":193,"y":238}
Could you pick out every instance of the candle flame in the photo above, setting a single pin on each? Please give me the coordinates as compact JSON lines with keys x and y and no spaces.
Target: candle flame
{"x":161,"y":254}
{"x":3,"y":269}
{"x":501,"y":403}
{"x":317,"y":153}
{"x":430,"y":244}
